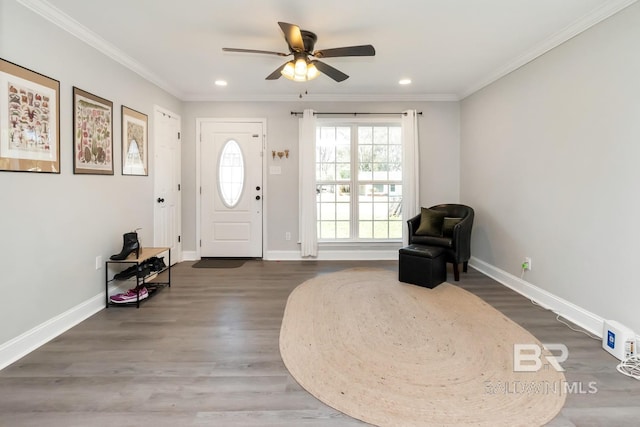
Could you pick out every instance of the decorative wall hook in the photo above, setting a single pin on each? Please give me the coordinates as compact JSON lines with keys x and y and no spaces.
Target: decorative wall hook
{"x":280,"y":154}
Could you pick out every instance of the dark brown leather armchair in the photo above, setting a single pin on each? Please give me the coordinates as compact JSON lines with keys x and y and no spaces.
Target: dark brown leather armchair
{"x":457,"y":245}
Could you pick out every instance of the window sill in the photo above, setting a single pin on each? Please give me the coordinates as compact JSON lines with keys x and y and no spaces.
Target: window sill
{"x":361,"y":244}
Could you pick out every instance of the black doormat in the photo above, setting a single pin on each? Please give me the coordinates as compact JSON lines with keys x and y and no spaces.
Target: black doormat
{"x":220,"y":263}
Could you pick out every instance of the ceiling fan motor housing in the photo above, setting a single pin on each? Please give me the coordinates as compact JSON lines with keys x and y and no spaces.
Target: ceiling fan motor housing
{"x":309,"y":39}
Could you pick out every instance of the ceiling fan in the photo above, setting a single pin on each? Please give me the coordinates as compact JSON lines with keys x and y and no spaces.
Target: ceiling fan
{"x":301,"y":44}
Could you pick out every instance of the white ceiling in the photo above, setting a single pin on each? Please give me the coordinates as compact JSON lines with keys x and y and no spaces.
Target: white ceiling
{"x":448,"y":48}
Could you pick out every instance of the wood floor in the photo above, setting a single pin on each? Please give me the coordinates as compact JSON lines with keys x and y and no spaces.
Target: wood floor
{"x":205,"y":353}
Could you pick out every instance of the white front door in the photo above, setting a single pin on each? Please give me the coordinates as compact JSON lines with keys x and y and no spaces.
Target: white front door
{"x":231,"y":189}
{"x":167,"y":201}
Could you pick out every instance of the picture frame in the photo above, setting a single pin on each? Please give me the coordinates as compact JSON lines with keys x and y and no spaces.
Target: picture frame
{"x":29,"y":120}
{"x":135,"y":146}
{"x":92,"y":134}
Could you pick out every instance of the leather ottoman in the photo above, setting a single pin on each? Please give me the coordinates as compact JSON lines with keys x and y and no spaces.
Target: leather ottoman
{"x":422,"y":265}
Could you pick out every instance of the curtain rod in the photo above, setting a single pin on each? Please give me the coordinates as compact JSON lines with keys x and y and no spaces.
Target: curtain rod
{"x":298,"y":113}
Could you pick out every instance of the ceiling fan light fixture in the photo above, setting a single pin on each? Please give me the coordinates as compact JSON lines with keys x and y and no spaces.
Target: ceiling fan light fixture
{"x":301,"y":67}
{"x":300,"y":71}
{"x":288,"y":70}
{"x":312,"y":71}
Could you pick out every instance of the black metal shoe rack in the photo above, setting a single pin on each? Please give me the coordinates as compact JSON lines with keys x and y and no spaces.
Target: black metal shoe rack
{"x":153,"y":284}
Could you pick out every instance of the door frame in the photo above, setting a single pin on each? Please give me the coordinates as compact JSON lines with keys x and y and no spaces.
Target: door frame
{"x":157,"y":111}
{"x":199,"y":122}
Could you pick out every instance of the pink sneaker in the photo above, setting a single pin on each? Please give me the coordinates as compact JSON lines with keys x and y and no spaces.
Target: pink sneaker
{"x":129,"y":296}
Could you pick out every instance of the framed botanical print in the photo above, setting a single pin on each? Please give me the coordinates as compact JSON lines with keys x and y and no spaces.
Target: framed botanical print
{"x":29,"y":120}
{"x":92,"y":134}
{"x":135,"y":148}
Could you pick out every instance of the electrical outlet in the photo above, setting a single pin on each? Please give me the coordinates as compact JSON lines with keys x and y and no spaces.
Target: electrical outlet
{"x":99,"y":262}
{"x":526,"y":264}
{"x":287,"y":236}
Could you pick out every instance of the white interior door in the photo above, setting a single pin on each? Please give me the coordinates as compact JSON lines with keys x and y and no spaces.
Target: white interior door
{"x":231,"y":189}
{"x":167,"y":200}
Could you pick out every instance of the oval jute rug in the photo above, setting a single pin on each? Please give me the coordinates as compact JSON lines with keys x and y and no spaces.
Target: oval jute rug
{"x":394,"y":354}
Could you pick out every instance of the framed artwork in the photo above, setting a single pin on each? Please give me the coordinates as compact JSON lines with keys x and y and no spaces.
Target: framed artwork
{"x":92,"y":134}
{"x":134,"y":143}
{"x":29,"y":120}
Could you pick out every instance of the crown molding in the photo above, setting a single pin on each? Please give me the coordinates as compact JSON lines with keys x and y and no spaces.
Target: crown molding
{"x":596,"y":16}
{"x":442,"y":97}
{"x":64,"y":21}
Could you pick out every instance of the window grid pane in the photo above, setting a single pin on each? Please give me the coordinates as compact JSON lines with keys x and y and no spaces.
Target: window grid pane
{"x":378,"y":165}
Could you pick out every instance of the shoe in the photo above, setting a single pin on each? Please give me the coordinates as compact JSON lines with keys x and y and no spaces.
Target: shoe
{"x":130,"y":244}
{"x":143,"y":270}
{"x":126,"y":274}
{"x":129,"y":296}
{"x":157,"y":264}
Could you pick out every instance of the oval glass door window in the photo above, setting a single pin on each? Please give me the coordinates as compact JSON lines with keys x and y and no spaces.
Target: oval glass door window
{"x":231,"y":173}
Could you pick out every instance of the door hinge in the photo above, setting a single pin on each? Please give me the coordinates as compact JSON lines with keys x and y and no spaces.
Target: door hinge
{"x":178,"y":135}
{"x":178,"y":187}
{"x":200,"y":190}
{"x":200,"y":243}
{"x":178,"y":239}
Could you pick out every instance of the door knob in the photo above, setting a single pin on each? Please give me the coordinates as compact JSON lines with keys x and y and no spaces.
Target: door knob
{"x":257,"y":197}
{"x":160,"y":200}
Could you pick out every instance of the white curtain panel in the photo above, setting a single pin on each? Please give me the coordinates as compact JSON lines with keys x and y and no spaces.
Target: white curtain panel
{"x":410,"y":170}
{"x":308,"y":213}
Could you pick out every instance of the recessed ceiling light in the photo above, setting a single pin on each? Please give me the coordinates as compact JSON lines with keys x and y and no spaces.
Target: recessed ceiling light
{"x":405,"y":82}
{"x":221,"y":83}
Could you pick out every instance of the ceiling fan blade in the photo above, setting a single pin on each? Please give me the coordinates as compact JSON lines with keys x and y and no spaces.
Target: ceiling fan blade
{"x":334,"y":73}
{"x":276,"y":74}
{"x":293,"y":36}
{"x":363,"y":50}
{"x":268,"y":52}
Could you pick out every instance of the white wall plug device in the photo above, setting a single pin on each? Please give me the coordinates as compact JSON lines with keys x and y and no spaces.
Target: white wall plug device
{"x":618,"y":340}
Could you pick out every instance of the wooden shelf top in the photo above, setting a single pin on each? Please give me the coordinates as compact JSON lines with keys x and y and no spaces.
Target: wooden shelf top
{"x":145,"y":253}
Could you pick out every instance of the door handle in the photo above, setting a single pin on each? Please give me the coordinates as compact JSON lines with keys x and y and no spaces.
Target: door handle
{"x":257,"y":197}
{"x":160,"y":200}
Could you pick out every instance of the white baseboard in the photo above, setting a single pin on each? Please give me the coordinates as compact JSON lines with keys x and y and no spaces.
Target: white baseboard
{"x":578,"y":315}
{"x":190,"y":256}
{"x":282,"y":256}
{"x":334,"y":255}
{"x":323,"y":255}
{"x":24,"y":344}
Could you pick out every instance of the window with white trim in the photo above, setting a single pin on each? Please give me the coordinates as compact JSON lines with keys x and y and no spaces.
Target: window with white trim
{"x":359,"y":181}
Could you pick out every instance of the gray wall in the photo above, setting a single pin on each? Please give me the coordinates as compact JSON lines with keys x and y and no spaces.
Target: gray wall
{"x":549,"y":159}
{"x":439,"y":144}
{"x":54,"y":226}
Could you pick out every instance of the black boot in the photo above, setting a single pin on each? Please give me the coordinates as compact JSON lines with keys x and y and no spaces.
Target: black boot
{"x":143,"y":271}
{"x":126,"y":274}
{"x":156,"y":264}
{"x":131,"y":244}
